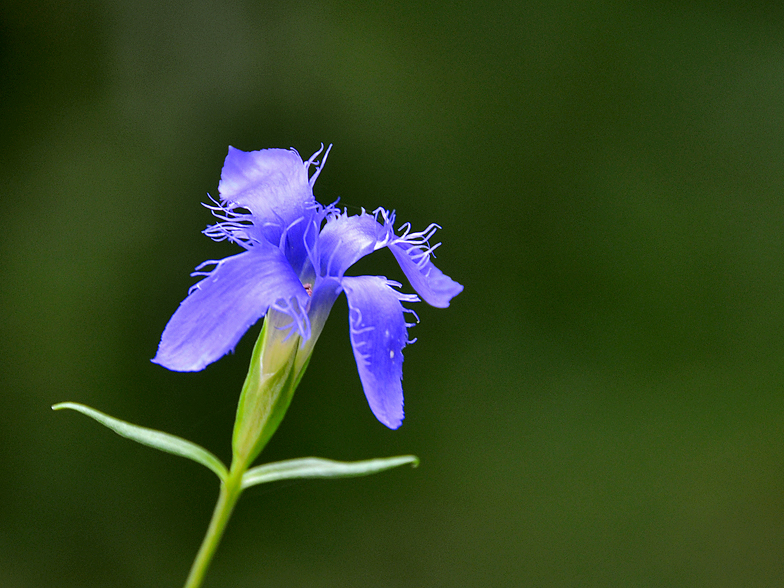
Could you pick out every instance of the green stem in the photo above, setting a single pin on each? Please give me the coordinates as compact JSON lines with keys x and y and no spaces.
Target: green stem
{"x":230,"y":491}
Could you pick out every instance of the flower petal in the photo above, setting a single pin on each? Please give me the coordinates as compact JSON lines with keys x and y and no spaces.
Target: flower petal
{"x":378,"y":335}
{"x":272,"y":184}
{"x":220,"y":308}
{"x":346,"y":239}
{"x":435,"y":288}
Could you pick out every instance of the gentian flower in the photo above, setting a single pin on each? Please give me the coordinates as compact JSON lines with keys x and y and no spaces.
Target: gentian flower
{"x":292,"y":269}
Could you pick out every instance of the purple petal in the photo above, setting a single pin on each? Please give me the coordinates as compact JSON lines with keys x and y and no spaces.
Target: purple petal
{"x":220,"y":308}
{"x":346,"y":239}
{"x":435,"y":288}
{"x":272,"y":184}
{"x":378,"y":335}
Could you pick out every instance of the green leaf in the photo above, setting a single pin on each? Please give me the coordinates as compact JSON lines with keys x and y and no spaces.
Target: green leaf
{"x":316,"y":467}
{"x":152,"y":438}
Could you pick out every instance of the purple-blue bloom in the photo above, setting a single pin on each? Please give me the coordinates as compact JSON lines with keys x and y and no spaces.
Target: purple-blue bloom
{"x":296,"y":253}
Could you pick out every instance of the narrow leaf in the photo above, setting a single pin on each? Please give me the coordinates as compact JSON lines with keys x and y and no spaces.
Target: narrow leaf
{"x":152,"y":438}
{"x":316,"y":467}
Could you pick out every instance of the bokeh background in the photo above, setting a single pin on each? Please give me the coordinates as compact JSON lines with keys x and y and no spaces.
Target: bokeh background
{"x":601,"y":406}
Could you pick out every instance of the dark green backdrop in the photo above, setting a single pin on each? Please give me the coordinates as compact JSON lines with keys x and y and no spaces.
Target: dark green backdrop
{"x":601,"y":406}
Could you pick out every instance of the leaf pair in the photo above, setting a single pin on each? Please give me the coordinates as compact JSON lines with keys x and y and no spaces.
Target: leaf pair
{"x":306,"y":467}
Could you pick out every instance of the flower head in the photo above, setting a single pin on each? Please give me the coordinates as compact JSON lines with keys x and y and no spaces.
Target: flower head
{"x":292,"y":269}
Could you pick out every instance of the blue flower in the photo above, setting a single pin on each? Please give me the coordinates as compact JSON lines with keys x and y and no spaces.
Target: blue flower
{"x":292,"y":267}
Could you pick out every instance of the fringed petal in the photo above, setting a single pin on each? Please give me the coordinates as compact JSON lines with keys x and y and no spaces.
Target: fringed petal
{"x":435,"y":287}
{"x":344,"y":240}
{"x":220,"y":308}
{"x":378,"y":335}
{"x":272,"y":184}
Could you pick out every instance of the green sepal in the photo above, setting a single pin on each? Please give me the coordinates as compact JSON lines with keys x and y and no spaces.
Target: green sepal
{"x":316,"y":467}
{"x":152,"y":438}
{"x":267,"y":392}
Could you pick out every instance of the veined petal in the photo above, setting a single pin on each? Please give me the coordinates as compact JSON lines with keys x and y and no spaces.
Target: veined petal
{"x":344,"y":240}
{"x":272,"y":184}
{"x":220,"y":308}
{"x":435,"y":287}
{"x":378,"y":335}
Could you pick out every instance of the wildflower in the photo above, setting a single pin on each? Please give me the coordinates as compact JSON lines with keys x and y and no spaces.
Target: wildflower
{"x":292,"y":269}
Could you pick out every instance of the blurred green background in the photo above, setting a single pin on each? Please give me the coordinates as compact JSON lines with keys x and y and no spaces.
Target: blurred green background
{"x":601,"y":406}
